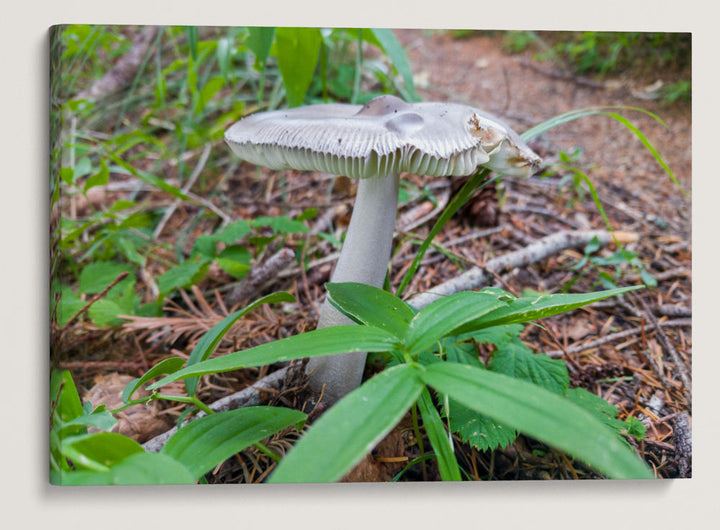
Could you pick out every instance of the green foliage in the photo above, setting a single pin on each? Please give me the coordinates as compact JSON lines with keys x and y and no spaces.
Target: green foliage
{"x":531,"y":400}
{"x":598,"y":52}
{"x":192,"y":83}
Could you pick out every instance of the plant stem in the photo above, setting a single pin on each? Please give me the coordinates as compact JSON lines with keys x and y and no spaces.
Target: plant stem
{"x":260,"y":447}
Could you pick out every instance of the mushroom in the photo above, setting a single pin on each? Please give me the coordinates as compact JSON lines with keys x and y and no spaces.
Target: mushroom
{"x":375,"y":143}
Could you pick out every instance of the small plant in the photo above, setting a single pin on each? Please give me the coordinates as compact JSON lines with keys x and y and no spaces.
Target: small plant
{"x":80,"y":457}
{"x":426,"y":350}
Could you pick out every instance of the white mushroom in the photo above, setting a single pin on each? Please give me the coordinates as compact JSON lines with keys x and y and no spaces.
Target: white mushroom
{"x":375,"y":143}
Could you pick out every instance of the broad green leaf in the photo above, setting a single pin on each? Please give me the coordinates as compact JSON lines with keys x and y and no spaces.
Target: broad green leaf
{"x":235,"y":260}
{"x":350,"y":428}
{"x":182,"y":275}
{"x":208,"y":92}
{"x":98,"y":179}
{"x":95,"y":277}
{"x":99,"y":451}
{"x":259,"y":42}
{"x":102,"y":420}
{"x":395,"y":51}
{"x":527,"y":309}
{"x":539,"y":413}
{"x":137,"y":469}
{"x":68,"y":306}
{"x":64,"y":395}
{"x":282,"y":225}
{"x":204,"y":443}
{"x":446,"y":314}
{"x":298,"y":52}
{"x":166,"y":366}
{"x":325,"y":341}
{"x":233,"y":231}
{"x":372,"y":306}
{"x":515,"y":359}
{"x":209,"y":341}
{"x":439,"y":438}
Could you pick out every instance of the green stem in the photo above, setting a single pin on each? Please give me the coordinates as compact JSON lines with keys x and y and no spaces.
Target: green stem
{"x":462,"y":196}
{"x":267,"y":451}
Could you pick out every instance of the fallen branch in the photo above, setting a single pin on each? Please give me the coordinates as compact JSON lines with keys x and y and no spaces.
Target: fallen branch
{"x":260,"y":276}
{"x":547,"y":246}
{"x":125,"y":69}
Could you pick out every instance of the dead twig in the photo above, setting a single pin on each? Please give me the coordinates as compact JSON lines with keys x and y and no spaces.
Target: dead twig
{"x":539,"y":250}
{"x":617,"y":336}
{"x":259,"y":276}
{"x":120,"y":277}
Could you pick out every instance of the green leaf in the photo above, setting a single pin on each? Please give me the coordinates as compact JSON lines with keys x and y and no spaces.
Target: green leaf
{"x":208,"y":91}
{"x":297,"y":54}
{"x":99,"y":451}
{"x":209,"y":341}
{"x":95,"y":277}
{"x":235,"y":260}
{"x":204,"y":443}
{"x":325,"y":341}
{"x":395,"y":51}
{"x":65,"y":396}
{"x":259,"y":42}
{"x":137,"y":469}
{"x":527,"y":309}
{"x":166,"y":366}
{"x":439,"y":438}
{"x":98,"y":179}
{"x":605,"y":412}
{"x":350,"y":428}
{"x":102,"y":420}
{"x":483,"y":433}
{"x":233,"y":231}
{"x":372,"y":306}
{"x":539,"y":413}
{"x":282,"y":225}
{"x":446,"y":314}
{"x":69,"y":305}
{"x":515,"y":359}
{"x":182,"y":275}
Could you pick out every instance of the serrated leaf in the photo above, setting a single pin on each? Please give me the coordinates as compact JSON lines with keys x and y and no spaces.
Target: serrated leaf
{"x":182,"y":275}
{"x":204,"y":443}
{"x":325,"y":341}
{"x":372,"y":306}
{"x":538,"y":413}
{"x":350,"y":428}
{"x":605,"y":412}
{"x":95,"y":277}
{"x":515,"y":359}
{"x":233,"y":231}
{"x":481,"y":432}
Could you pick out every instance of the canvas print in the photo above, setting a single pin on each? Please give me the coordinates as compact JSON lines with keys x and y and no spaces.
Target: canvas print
{"x":302,"y":255}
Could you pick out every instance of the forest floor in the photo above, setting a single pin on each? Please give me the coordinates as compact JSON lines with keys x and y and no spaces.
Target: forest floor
{"x":634,"y":351}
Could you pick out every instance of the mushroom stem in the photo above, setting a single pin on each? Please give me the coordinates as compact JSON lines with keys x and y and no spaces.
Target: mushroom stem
{"x":364,"y":258}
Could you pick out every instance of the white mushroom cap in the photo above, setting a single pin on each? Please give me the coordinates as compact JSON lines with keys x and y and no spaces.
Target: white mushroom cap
{"x":384,"y":136}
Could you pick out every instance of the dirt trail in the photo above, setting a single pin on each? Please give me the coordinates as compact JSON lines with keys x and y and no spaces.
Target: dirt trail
{"x":476,"y":70}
